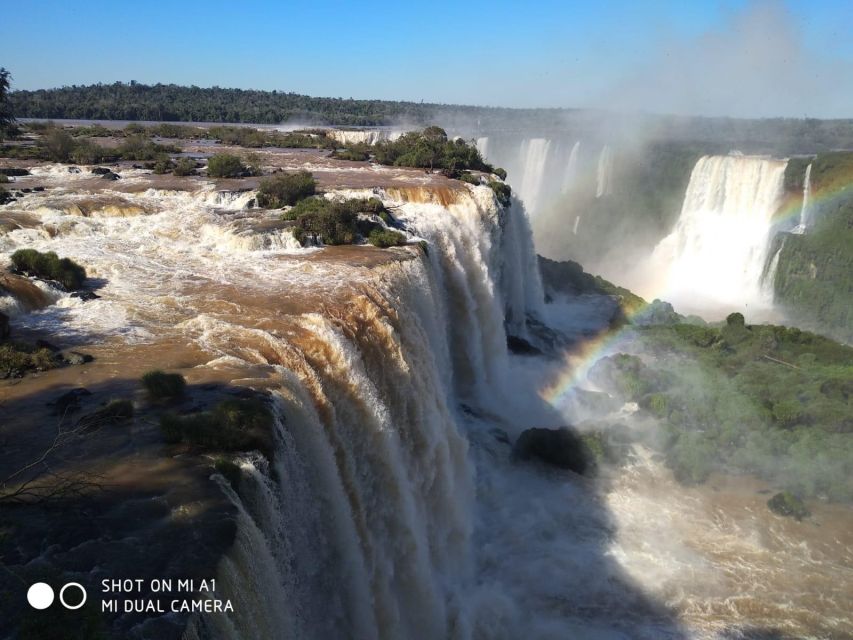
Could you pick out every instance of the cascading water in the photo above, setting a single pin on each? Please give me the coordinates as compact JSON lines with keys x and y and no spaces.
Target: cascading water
{"x":804,"y":222}
{"x":718,"y":248}
{"x":604,"y":175}
{"x":534,"y":158}
{"x":571,"y":171}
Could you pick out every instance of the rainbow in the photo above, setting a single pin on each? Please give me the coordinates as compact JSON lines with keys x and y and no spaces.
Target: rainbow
{"x":581,"y":358}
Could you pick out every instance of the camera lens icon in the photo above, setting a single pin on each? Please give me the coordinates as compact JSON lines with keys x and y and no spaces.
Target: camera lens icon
{"x":72,"y":595}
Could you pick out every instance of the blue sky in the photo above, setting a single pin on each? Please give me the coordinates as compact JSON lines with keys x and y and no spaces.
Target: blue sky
{"x":729,"y":57}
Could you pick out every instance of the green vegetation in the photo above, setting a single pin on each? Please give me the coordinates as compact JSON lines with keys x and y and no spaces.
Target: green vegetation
{"x":114,"y":412}
{"x":184,"y":167}
{"x":337,"y":222}
{"x":768,"y":400}
{"x":229,"y":469}
{"x":384,"y":238}
{"x":787,"y":504}
{"x":431,"y":149}
{"x":50,"y":267}
{"x":503,"y":192}
{"x":232,"y":425}
{"x":7,"y":119}
{"x":226,"y":165}
{"x":286,"y":189}
{"x":164,"y":386}
{"x":19,"y":359}
{"x":356,"y":153}
{"x":814,"y":276}
{"x":4,"y":179}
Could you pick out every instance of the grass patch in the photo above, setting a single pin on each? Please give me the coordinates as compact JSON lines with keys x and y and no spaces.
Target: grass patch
{"x":164,"y":386}
{"x":50,"y":267}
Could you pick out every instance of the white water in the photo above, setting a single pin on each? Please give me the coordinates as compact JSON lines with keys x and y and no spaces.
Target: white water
{"x":571,"y":172}
{"x":365,"y":136}
{"x":718,"y":248}
{"x":804,"y":210}
{"x":604,"y":175}
{"x":533,"y":155}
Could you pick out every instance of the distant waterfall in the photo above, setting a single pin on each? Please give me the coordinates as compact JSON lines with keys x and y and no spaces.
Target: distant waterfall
{"x":604,"y":182}
{"x":804,"y":210}
{"x":534,"y":158}
{"x":571,"y":172}
{"x":718,"y":249}
{"x":483,"y":146}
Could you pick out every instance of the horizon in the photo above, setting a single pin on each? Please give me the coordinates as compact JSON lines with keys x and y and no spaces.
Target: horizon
{"x":753,"y":60}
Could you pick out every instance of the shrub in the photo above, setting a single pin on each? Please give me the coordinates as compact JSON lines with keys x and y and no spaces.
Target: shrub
{"x":184,"y":167}
{"x":500,"y":173}
{"x":16,"y":360}
{"x":4,"y":179}
{"x":470,"y":178}
{"x":57,"y":144}
{"x":430,"y":148}
{"x":787,"y":504}
{"x":384,"y":238}
{"x":162,"y":385}
{"x":87,"y":152}
{"x":356,"y":153}
{"x":49,"y":266}
{"x":138,"y":147}
{"x":232,"y":425}
{"x":163,"y":165}
{"x":114,"y":412}
{"x":225,"y":165}
{"x":503,"y":192}
{"x":286,"y":189}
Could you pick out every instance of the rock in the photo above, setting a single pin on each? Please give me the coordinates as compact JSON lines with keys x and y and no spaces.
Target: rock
{"x":38,"y":189}
{"x":44,"y":344}
{"x":75,"y":357}
{"x":500,"y":435}
{"x":787,"y":504}
{"x":100,"y":171}
{"x":110,"y":176}
{"x":557,"y":447}
{"x":4,"y":326}
{"x":74,"y":170}
{"x":6,"y":197}
{"x":26,"y":190}
{"x":85,"y":295}
{"x":69,"y":402}
{"x":522,"y":347}
{"x":14,"y":171}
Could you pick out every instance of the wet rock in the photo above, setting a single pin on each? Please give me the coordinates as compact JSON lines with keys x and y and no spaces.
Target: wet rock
{"x":557,"y":447}
{"x":100,"y":171}
{"x":38,"y":189}
{"x":5,"y":330}
{"x":787,"y":504}
{"x":74,"y":170}
{"x":69,"y":402}
{"x":26,"y":190}
{"x":6,"y":197}
{"x":85,"y":295}
{"x":75,"y":357}
{"x":110,"y":176}
{"x":14,"y":171}
{"x":522,"y":347}
{"x":500,"y":435}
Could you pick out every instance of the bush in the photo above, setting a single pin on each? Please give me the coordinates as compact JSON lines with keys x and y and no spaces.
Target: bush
{"x":184,"y":167}
{"x":787,"y":504}
{"x":4,"y":179}
{"x":49,"y":266}
{"x":163,"y":165}
{"x":16,"y":360}
{"x":503,"y":192}
{"x":57,"y":144}
{"x":384,"y":238}
{"x":286,"y":189}
{"x":114,"y":412}
{"x":87,"y":152}
{"x":430,"y":148}
{"x":470,"y":178}
{"x":500,"y":173}
{"x":162,"y":385}
{"x":138,"y":147}
{"x":225,"y":165}
{"x":232,"y":425}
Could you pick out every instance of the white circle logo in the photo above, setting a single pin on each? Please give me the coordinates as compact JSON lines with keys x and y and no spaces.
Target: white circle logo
{"x":62,"y":594}
{"x":40,"y":595}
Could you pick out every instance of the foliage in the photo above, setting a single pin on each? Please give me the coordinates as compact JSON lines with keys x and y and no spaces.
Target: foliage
{"x":18,"y":359}
{"x":334,"y":222}
{"x":232,"y":425}
{"x":431,"y":149}
{"x":384,"y":238}
{"x":286,"y":189}
{"x":787,"y":504}
{"x":162,"y":385}
{"x":356,"y":153}
{"x":814,"y":275}
{"x":138,"y":147}
{"x":226,"y":165}
{"x":503,"y":192}
{"x":57,"y":144}
{"x":762,"y":399}
{"x":115,"y":411}
{"x":50,"y":267}
{"x":184,"y":167}
{"x":7,"y":119}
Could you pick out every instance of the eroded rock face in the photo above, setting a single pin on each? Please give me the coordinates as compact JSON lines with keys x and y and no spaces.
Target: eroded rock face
{"x":560,"y":447}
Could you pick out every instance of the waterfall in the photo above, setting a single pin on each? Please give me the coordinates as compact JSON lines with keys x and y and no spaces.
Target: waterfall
{"x":571,"y":171}
{"x":718,"y":248}
{"x":604,"y":181}
{"x":483,"y":146}
{"x":534,"y":158}
{"x":804,"y":210}
{"x":367,"y":517}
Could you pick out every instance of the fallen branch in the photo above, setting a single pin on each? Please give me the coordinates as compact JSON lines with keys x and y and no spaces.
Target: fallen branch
{"x":787,"y":364}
